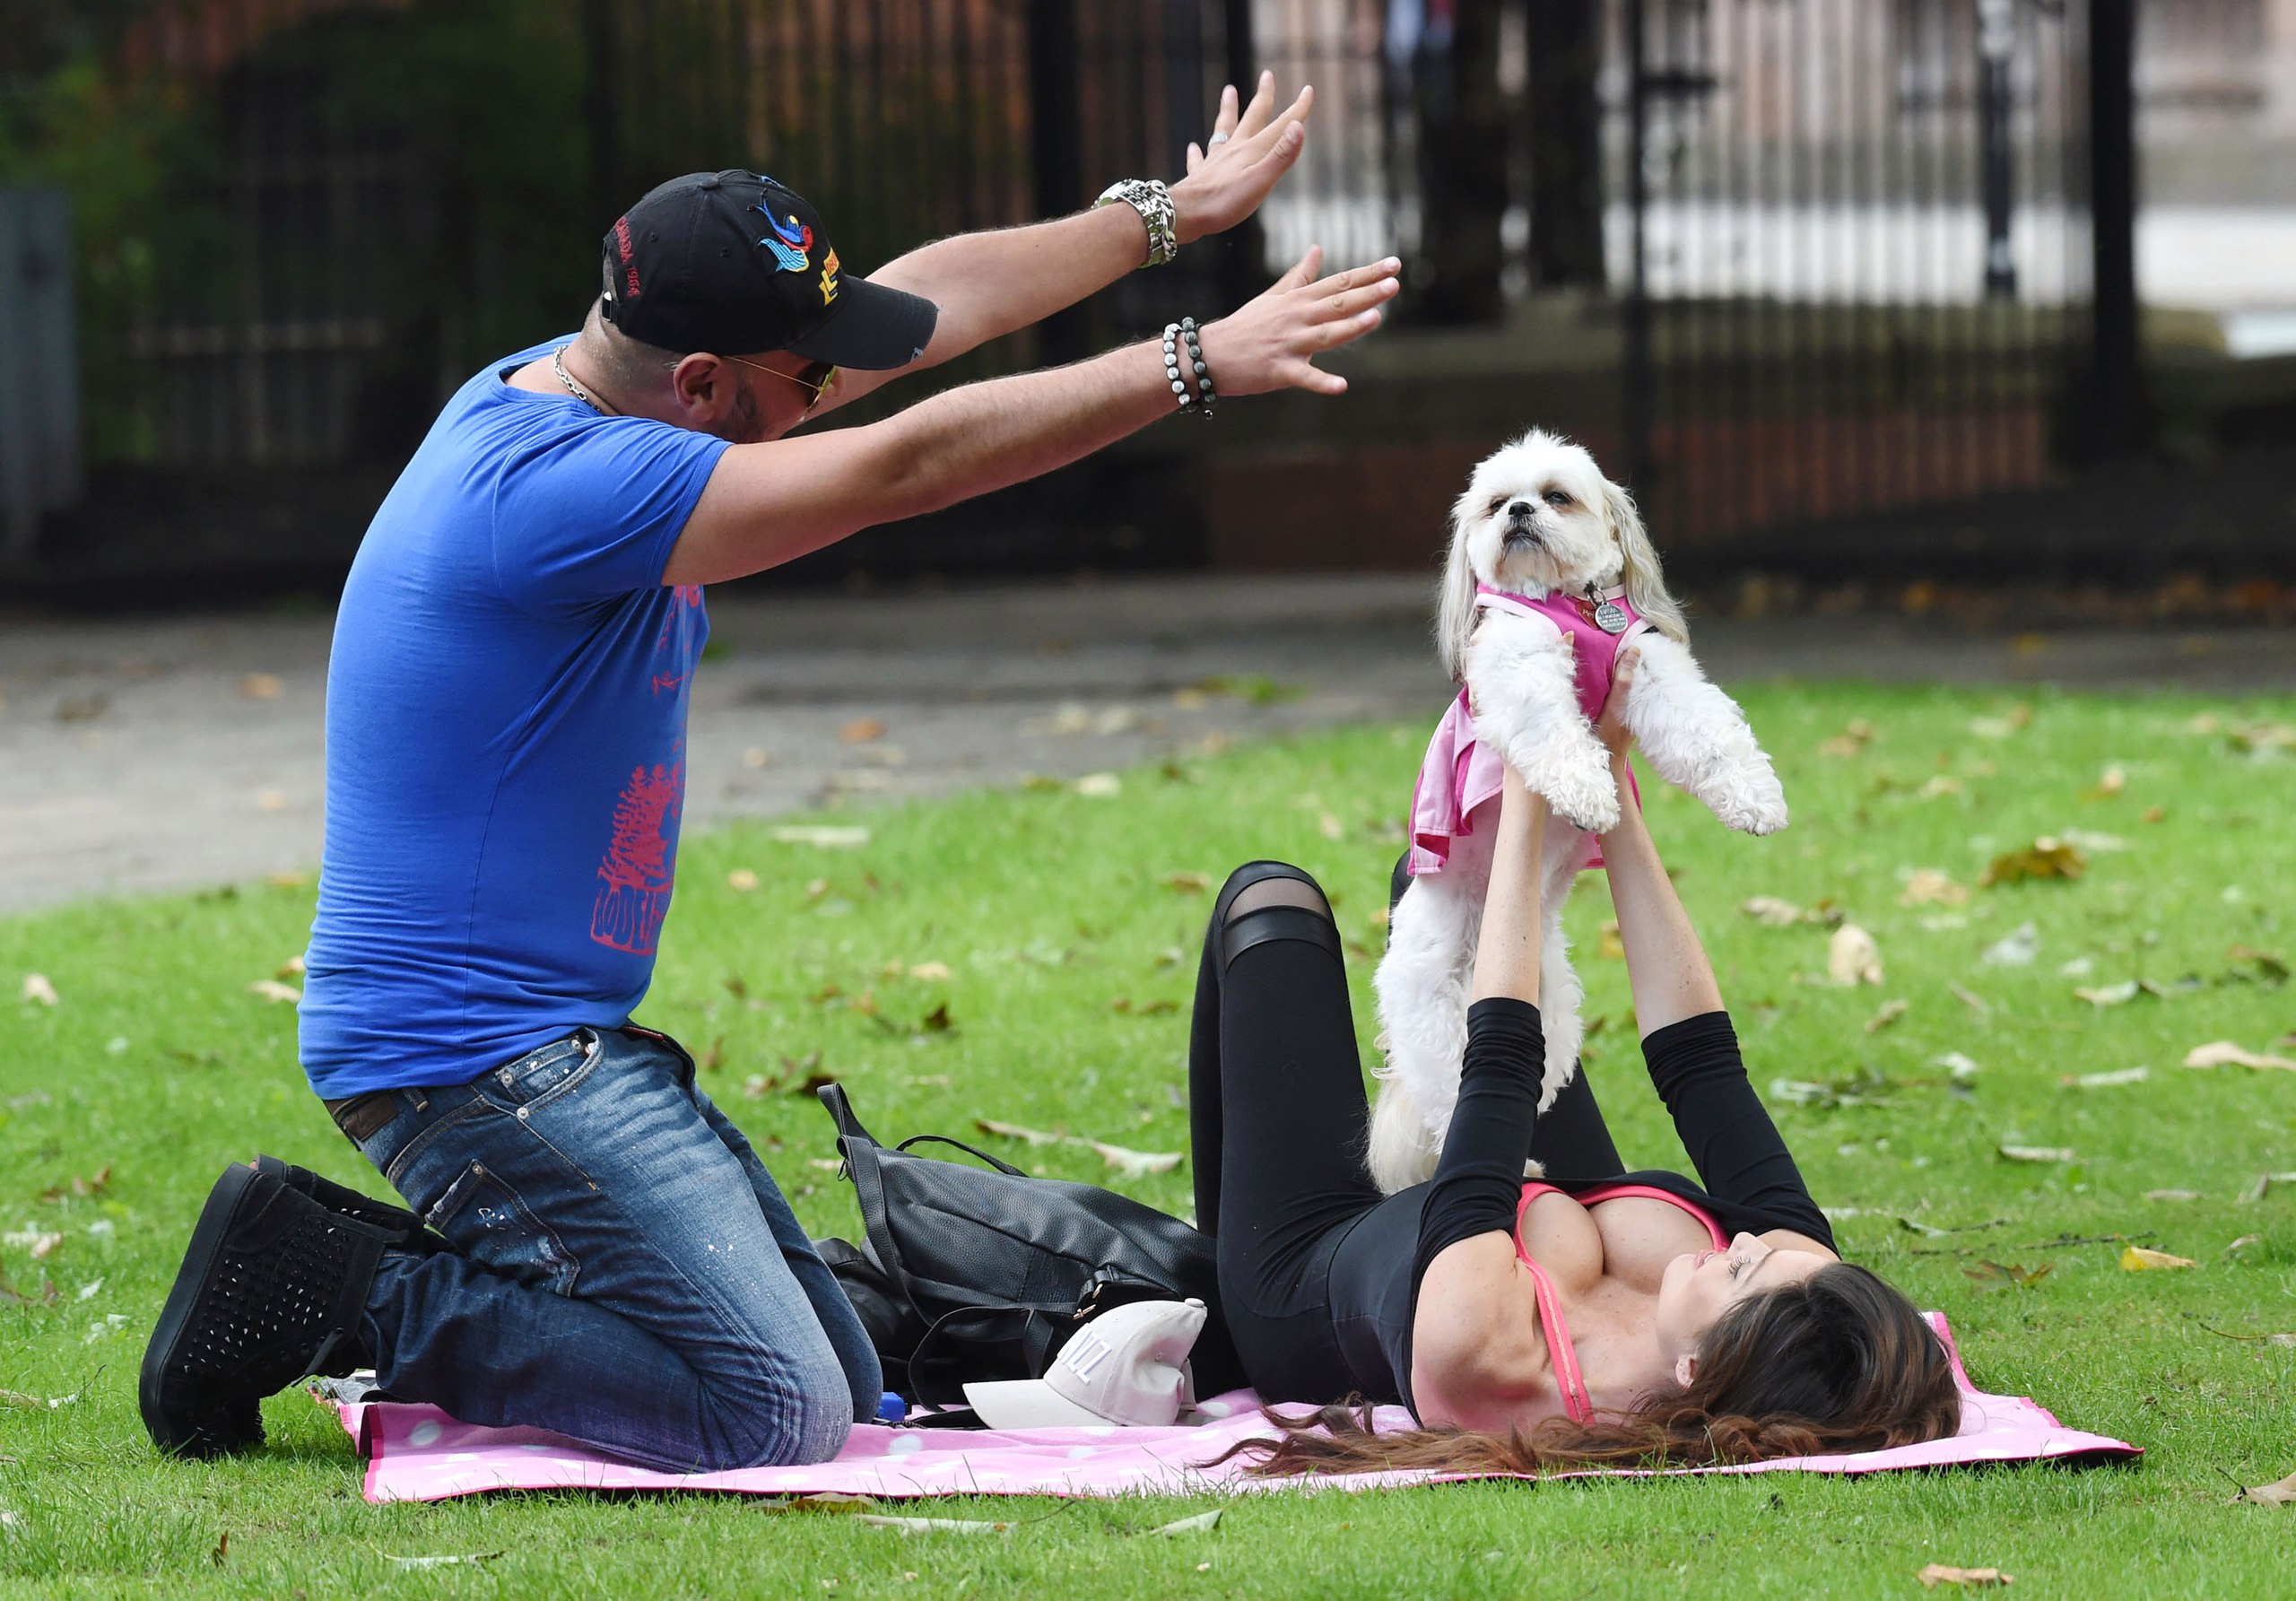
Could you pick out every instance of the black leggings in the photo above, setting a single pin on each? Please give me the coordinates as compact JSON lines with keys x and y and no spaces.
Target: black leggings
{"x":1314,"y":1262}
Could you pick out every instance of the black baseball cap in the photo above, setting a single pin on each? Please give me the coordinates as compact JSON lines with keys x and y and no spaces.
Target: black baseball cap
{"x":733,"y":263}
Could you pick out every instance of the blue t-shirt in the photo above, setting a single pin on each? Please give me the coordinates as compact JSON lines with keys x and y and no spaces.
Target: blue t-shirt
{"x":505,"y":740}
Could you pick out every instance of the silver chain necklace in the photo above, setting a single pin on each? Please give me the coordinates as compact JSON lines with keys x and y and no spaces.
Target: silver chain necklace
{"x":558,"y":366}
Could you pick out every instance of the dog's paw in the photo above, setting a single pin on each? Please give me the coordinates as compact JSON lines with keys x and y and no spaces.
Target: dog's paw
{"x":1584,"y":800}
{"x":1755,"y":807}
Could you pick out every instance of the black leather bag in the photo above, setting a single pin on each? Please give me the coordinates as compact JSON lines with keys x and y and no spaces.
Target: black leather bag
{"x":972,"y":1273}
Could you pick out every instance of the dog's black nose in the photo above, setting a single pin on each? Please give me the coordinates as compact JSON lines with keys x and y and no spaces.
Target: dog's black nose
{"x":1519,"y":508}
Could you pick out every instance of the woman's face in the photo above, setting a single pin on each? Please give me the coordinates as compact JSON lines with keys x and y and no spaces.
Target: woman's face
{"x":1699,"y":1286}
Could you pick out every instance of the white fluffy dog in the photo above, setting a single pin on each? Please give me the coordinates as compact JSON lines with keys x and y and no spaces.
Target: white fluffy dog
{"x":1541,"y":525}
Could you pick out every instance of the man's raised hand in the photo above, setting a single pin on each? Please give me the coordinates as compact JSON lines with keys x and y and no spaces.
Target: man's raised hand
{"x":1271,"y":342}
{"x":1249,"y":150}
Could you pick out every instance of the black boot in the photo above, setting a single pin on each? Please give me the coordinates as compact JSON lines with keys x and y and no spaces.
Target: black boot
{"x":272,"y":1289}
{"x":410,"y":1235}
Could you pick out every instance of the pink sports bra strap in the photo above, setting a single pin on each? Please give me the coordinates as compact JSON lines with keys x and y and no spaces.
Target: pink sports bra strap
{"x":1576,"y":1401}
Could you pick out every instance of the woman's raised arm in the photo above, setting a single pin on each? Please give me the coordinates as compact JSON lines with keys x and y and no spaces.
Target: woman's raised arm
{"x":1666,"y":963}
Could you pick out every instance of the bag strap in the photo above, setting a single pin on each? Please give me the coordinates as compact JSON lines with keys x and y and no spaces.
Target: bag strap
{"x":936,"y":1368}
{"x":860,"y":1150}
{"x":841,"y":1109}
{"x":1000,"y":1165}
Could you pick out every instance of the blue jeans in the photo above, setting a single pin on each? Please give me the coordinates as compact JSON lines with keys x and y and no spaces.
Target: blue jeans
{"x":625,"y":1271}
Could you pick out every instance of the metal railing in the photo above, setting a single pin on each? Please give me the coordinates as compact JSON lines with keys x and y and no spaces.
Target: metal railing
{"x":1842,"y":248}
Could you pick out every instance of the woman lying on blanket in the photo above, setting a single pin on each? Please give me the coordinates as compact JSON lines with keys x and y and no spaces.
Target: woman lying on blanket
{"x":1597,"y":1316}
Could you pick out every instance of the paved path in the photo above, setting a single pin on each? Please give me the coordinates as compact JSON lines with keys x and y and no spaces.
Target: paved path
{"x":147,"y":755}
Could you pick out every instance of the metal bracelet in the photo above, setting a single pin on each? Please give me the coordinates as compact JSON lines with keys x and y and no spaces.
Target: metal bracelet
{"x":1154,"y":202}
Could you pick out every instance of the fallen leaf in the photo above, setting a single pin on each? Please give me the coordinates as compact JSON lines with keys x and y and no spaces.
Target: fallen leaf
{"x":24,"y":1403}
{"x":2095,"y":844}
{"x":2279,"y":1494}
{"x":2244,"y":1241}
{"x":1929,"y":887}
{"x":2172,"y":1195}
{"x":2251,"y":965}
{"x":826,"y":837}
{"x":2110,"y":783}
{"x":2262,"y":1186}
{"x":757,"y":1086}
{"x":1779,"y":913}
{"x":271,"y":800}
{"x":260,"y":686}
{"x":1608,"y":945}
{"x":473,"y":1560}
{"x":1330,"y":827}
{"x":1939,"y":787}
{"x":741,"y":880}
{"x":1187,"y":884}
{"x":2156,"y":814}
{"x":2110,"y":995}
{"x":757,"y":757}
{"x":2017,"y":948}
{"x":292,"y":968}
{"x":2225,"y":1053}
{"x":1851,"y":740}
{"x":2038,"y":1153}
{"x":40,"y":1243}
{"x":860,"y":731}
{"x":1889,"y":1013}
{"x":2138,"y":1259}
{"x":274,"y":991}
{"x":286,"y":881}
{"x":714,"y":1057}
{"x":1970,"y":998}
{"x":933,"y":1526}
{"x":1100,"y":786}
{"x":1989,"y":1276}
{"x":2047,"y":857}
{"x":936,"y":972}
{"x":1852,"y":956}
{"x":2105,"y":1080}
{"x":1202,"y":1523}
{"x":223,"y":1552}
{"x":1937,"y":1573}
{"x":37,"y":989}
{"x":1865,"y":1087}
{"x":1014,"y":1131}
{"x":1124,"y":1004}
{"x":1136,"y":1165}
{"x":1957,"y":1064}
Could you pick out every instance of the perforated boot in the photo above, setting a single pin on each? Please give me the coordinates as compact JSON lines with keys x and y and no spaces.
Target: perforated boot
{"x":410,"y":1234}
{"x":272,"y":1289}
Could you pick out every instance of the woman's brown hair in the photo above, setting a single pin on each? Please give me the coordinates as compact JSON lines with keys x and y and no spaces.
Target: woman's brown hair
{"x":1840,"y":1362}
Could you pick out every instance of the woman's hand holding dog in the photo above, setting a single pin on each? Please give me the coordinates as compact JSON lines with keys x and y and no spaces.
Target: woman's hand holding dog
{"x":1611,"y":726}
{"x":1270,"y":343}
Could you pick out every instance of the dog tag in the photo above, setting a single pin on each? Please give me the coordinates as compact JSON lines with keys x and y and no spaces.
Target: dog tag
{"x":1611,"y":617}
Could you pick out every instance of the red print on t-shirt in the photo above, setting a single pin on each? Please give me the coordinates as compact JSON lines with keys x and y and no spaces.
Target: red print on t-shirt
{"x":674,"y":659}
{"x":634,"y":894}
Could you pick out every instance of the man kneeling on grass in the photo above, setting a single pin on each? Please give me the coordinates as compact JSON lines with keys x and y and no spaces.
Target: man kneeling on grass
{"x":593,"y":1248}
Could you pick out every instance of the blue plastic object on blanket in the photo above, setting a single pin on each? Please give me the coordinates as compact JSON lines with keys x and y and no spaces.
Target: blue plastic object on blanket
{"x":890,"y":1408}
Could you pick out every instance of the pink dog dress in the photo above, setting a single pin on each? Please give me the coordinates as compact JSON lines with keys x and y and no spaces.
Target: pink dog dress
{"x":1461,"y":772}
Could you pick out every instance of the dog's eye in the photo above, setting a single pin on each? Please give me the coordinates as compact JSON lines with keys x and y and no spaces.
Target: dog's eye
{"x":1556,"y":497}
{"x":1498,"y":505}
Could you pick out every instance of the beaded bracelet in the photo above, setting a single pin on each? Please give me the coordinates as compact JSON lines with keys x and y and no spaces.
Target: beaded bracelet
{"x":1205,"y":394}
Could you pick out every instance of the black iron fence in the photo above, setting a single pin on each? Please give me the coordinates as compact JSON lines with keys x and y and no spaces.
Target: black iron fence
{"x":1837,"y":255}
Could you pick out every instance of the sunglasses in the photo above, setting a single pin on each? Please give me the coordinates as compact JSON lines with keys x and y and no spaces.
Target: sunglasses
{"x":816,"y":380}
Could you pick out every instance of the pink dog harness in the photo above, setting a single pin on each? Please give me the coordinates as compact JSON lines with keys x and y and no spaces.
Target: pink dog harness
{"x":1460,"y":772}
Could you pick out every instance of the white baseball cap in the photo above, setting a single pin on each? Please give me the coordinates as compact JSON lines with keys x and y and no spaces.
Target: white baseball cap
{"x":1129,"y":1365}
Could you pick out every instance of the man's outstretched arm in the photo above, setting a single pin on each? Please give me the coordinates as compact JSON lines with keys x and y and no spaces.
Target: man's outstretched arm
{"x":771,"y":502}
{"x":990,"y":284}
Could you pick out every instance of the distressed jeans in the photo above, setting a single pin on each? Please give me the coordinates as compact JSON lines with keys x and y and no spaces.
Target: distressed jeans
{"x":625,"y":1271}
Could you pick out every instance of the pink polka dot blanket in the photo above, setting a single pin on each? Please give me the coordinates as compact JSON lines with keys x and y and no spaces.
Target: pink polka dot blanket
{"x":419,"y":1453}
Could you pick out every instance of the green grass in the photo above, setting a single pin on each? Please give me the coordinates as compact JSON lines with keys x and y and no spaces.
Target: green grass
{"x":1049,"y":909}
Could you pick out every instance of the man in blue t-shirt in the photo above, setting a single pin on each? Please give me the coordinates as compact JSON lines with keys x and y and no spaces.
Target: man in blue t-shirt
{"x":593,"y":1248}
